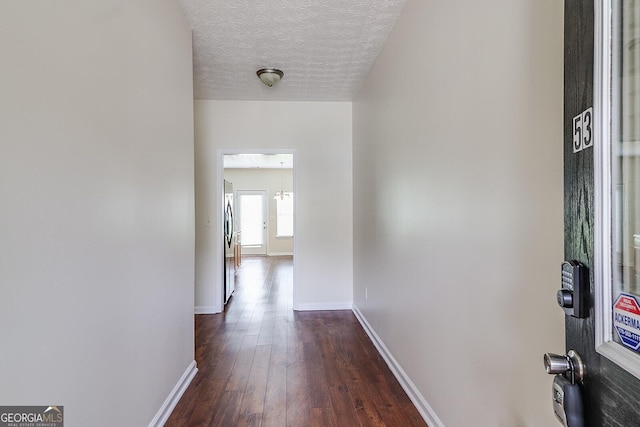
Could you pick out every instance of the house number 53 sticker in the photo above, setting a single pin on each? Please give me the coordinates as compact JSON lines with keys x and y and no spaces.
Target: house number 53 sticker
{"x":583,"y":130}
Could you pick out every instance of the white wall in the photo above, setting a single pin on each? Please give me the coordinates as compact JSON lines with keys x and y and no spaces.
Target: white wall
{"x":269,"y":180}
{"x":97,"y":217}
{"x":320,"y":134}
{"x":458,"y":205}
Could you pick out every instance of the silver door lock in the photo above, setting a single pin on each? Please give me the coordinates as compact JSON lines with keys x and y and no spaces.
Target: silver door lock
{"x":566,"y":394}
{"x":570,"y":363}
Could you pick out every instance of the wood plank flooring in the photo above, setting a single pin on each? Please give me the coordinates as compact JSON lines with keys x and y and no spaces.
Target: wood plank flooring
{"x":262,"y":364}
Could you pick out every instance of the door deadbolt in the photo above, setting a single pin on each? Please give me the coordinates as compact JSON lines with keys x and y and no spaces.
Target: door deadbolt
{"x":573,"y":297}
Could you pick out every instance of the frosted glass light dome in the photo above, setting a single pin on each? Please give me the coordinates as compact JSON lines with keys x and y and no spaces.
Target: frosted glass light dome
{"x":270,"y":76}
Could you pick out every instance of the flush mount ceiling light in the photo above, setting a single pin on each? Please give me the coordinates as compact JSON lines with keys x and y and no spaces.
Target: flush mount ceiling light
{"x":270,"y":76}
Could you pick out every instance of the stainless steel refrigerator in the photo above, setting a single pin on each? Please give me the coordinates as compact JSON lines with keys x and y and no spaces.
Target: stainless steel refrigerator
{"x":229,"y":242}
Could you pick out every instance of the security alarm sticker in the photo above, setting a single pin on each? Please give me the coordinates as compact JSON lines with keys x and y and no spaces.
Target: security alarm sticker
{"x":626,"y":320}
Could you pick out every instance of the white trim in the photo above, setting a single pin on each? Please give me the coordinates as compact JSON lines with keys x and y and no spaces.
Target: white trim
{"x":206,"y":309}
{"x":280,"y":254}
{"x":218,"y":285}
{"x":174,"y":397}
{"x":602,"y":168}
{"x":428,"y":414}
{"x":321,"y":306}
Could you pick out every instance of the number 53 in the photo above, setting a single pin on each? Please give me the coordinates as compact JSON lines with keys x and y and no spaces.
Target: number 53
{"x":583,"y":130}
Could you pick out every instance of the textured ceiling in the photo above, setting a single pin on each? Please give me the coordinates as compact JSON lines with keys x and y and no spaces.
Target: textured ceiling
{"x":324,"y":47}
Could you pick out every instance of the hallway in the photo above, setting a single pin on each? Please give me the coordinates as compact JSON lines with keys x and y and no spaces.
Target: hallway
{"x":262,"y":364}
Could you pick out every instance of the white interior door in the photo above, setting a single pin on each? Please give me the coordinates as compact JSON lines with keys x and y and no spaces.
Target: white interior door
{"x":252,"y":214}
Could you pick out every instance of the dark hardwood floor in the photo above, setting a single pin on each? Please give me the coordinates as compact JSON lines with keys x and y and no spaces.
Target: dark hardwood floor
{"x":262,"y":364}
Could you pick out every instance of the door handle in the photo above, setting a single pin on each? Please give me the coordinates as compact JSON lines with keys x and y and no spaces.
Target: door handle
{"x":570,"y":364}
{"x":567,"y":396}
{"x":556,"y":364}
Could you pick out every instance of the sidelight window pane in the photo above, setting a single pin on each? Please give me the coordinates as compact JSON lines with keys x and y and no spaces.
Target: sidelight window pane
{"x":625,"y":165}
{"x":284,"y":210}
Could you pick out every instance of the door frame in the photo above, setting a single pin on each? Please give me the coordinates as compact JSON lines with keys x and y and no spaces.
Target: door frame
{"x":220,"y":153}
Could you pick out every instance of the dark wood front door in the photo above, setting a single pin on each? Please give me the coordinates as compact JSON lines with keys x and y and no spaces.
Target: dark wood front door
{"x":611,"y":395}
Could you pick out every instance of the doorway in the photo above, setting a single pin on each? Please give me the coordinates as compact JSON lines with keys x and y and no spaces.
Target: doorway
{"x":260,"y":178}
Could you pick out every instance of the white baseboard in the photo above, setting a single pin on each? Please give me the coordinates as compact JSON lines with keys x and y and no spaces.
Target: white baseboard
{"x":205,"y":309}
{"x":174,"y":397}
{"x":280,"y":254}
{"x":324,"y":306}
{"x":409,"y":387}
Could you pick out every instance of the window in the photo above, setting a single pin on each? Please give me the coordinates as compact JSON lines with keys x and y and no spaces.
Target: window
{"x":284,"y":215}
{"x":617,"y":188}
